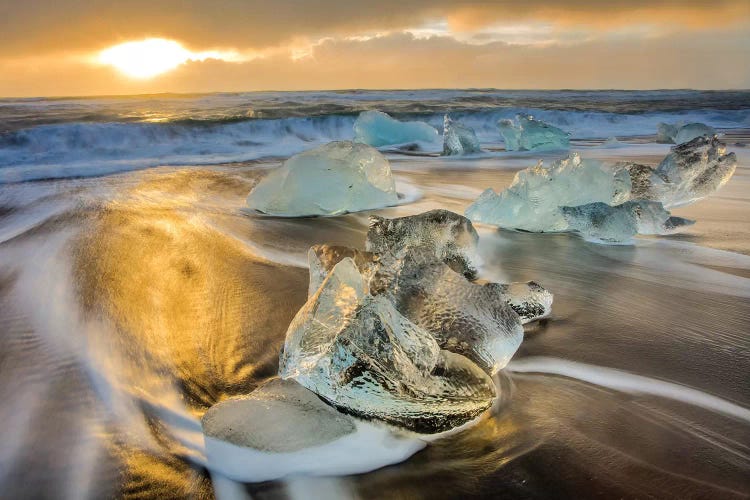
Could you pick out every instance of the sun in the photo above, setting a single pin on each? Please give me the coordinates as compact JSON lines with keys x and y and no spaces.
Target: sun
{"x":147,"y":58}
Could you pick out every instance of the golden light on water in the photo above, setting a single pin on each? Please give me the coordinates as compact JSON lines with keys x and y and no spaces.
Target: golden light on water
{"x":151,"y":57}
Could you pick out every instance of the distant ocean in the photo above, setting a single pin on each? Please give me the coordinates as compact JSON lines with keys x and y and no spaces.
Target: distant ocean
{"x":72,"y":137}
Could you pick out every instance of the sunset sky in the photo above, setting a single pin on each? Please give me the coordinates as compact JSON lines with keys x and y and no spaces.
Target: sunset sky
{"x":64,"y":47}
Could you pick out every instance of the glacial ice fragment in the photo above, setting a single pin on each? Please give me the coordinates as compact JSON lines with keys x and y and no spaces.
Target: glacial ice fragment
{"x":529,"y":134}
{"x":332,"y":179}
{"x":358,"y":353}
{"x":616,"y":224}
{"x":283,"y":429}
{"x":532,"y":201}
{"x":694,"y":170}
{"x":443,"y":235}
{"x":380,"y":129}
{"x":679,"y":133}
{"x":458,"y":139}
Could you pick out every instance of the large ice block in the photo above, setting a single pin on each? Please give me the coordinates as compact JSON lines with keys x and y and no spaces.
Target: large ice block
{"x":358,"y":353}
{"x":458,"y":139}
{"x":380,"y":129}
{"x":532,"y":201}
{"x":332,"y":179}
{"x":528,"y":134}
{"x":617,"y":224}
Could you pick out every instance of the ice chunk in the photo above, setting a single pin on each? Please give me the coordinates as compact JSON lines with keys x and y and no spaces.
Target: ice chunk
{"x":323,"y":258}
{"x":612,"y":142}
{"x":530,"y":300}
{"x":528,"y":134}
{"x":458,"y":139}
{"x":532,"y":201}
{"x":283,"y":429}
{"x":614,"y":224}
{"x":679,"y":133}
{"x":441,"y":234}
{"x":379,"y":129}
{"x":333,"y":179}
{"x":357,"y":352}
{"x":694,"y":170}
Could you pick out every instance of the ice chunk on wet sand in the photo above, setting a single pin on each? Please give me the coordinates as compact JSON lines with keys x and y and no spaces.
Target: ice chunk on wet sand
{"x":615,"y":224}
{"x":283,"y":429}
{"x":380,"y":129}
{"x":532,"y":201}
{"x":332,"y":179}
{"x":458,"y":139}
{"x":358,"y":353}
{"x":529,"y":134}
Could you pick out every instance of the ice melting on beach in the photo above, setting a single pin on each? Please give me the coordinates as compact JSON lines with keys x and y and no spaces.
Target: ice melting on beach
{"x":458,"y":139}
{"x":380,"y":129}
{"x":532,"y":201}
{"x":401,"y":335}
{"x":589,"y":197}
{"x":612,"y":224}
{"x":528,"y":134}
{"x":283,"y":429}
{"x":332,"y":179}
{"x":679,"y":133}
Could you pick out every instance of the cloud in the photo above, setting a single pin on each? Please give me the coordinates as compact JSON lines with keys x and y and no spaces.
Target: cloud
{"x":40,"y":26}
{"x":404,"y":61}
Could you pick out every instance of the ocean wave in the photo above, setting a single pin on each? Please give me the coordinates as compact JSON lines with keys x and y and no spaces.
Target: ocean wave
{"x":86,"y":148}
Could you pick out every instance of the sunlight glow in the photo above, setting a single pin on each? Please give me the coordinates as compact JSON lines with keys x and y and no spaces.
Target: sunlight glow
{"x":154,"y":56}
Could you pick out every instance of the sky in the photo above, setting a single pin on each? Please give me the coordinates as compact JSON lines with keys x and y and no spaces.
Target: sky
{"x":74,"y":47}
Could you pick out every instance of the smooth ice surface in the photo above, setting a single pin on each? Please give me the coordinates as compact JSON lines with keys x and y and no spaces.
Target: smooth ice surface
{"x":283,"y":429}
{"x":361,"y":355}
{"x":532,"y":201}
{"x":458,"y":139}
{"x":605,"y":223}
{"x":679,"y":133}
{"x":332,"y":179}
{"x":527,"y":134}
{"x":380,"y":129}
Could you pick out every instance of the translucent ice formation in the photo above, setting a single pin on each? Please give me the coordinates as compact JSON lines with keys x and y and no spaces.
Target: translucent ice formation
{"x":359,"y":354}
{"x":614,"y":224}
{"x":283,"y":429}
{"x":458,"y":139}
{"x":333,"y":179}
{"x":532,"y":201}
{"x":587,"y":196}
{"x":679,"y":133}
{"x":692,"y":171}
{"x":528,"y":134}
{"x":421,"y":264}
{"x":379,"y":129}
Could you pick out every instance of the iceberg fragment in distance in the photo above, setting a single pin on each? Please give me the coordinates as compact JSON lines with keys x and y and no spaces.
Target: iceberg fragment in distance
{"x":332,"y":179}
{"x":679,"y":133}
{"x":380,"y":129}
{"x":458,"y":139}
{"x":528,"y":134}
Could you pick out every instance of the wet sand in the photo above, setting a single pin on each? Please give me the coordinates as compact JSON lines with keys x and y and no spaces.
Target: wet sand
{"x":131,"y":303}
